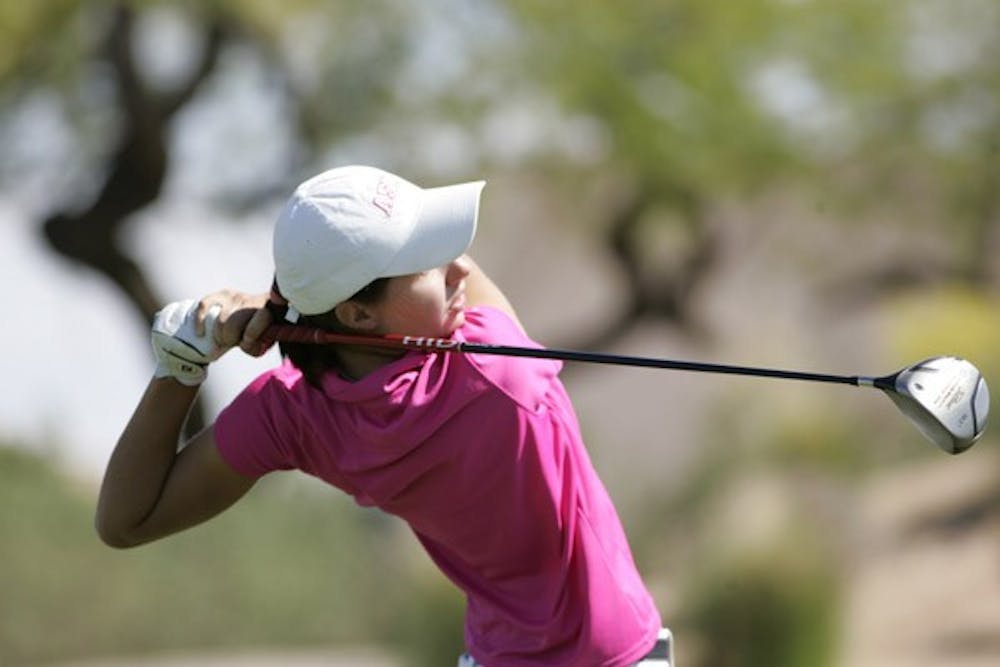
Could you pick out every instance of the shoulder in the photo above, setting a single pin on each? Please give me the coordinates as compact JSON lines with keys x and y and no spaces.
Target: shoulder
{"x":262,"y":400}
{"x":489,"y":324}
{"x":525,"y":379}
{"x":273,"y":383}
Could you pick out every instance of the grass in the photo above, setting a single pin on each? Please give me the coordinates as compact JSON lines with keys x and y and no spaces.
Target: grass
{"x":294,"y":564}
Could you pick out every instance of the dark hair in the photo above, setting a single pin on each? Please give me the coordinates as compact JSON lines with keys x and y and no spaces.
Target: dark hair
{"x":315,"y":361}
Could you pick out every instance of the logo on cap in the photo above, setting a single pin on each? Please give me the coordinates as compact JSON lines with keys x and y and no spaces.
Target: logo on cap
{"x":385,"y":195}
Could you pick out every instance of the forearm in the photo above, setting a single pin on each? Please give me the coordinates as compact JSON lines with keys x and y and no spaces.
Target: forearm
{"x":142,"y":460}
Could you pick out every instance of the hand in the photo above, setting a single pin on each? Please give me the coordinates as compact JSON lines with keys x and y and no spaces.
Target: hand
{"x":241,"y":320}
{"x":182,"y":352}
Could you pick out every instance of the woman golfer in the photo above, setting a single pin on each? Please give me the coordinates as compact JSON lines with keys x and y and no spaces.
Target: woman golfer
{"x":481,"y":456}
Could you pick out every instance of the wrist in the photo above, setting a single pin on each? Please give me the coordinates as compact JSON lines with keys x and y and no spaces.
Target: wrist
{"x":183,"y":344}
{"x":169,"y":383}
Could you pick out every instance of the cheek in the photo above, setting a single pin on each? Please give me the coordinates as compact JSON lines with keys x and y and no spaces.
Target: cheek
{"x":419,"y":312}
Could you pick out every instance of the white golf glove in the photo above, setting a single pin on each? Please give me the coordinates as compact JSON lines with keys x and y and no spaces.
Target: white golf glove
{"x":180,"y":353}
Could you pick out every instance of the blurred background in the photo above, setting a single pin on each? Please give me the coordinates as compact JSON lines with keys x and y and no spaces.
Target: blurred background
{"x":803,"y":184}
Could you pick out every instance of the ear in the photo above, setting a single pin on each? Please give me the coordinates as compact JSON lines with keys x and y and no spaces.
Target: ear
{"x":355,"y":315}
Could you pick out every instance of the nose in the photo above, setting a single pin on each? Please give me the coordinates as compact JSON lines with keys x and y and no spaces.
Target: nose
{"x":458,"y":270}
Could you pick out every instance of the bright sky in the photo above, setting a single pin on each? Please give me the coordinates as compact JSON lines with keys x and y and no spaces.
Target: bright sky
{"x":77,"y":359}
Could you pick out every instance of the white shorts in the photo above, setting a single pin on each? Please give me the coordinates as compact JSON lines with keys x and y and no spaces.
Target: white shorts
{"x":662,"y":654}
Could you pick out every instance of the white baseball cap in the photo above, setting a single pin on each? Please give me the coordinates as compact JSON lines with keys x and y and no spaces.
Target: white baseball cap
{"x":346,"y":227}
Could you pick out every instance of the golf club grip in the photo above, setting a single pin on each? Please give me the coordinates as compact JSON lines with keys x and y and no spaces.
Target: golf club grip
{"x":287,"y":333}
{"x":310,"y":335}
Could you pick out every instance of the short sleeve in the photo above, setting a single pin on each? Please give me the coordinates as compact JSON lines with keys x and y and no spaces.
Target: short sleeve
{"x":527,"y":380}
{"x":252,"y":432}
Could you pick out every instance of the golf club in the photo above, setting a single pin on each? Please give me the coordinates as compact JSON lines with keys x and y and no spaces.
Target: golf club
{"x":946,"y":398}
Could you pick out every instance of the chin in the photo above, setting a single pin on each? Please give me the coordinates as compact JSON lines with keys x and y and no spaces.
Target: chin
{"x":454,"y":323}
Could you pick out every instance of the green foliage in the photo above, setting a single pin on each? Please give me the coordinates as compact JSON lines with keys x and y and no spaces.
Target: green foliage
{"x":748,"y":536}
{"x":291,"y":565}
{"x":39,"y":42}
{"x":952,"y":320}
{"x":350,"y":52}
{"x":429,"y":622}
{"x":816,"y":441}
{"x":947,"y":320}
{"x":667,"y":80}
{"x":886,"y":105}
{"x":776,"y":608}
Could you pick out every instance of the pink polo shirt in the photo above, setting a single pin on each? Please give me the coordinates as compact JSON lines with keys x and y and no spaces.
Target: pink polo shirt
{"x":482,"y":456}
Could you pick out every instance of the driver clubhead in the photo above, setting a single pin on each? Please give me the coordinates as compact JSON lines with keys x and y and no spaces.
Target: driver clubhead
{"x":945,"y":397}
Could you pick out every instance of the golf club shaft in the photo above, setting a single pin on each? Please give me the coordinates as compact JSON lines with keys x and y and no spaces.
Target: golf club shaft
{"x":309,"y":335}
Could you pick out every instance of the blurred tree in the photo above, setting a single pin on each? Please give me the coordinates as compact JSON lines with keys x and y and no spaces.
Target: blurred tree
{"x":878,"y":106}
{"x":667,"y":83}
{"x":925,"y":117}
{"x":137,"y":164}
{"x":332,"y":80}
{"x":667,"y":110}
{"x":675,"y":108}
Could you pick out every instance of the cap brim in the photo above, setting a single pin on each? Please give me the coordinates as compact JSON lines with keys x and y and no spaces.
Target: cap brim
{"x":443,"y":231}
